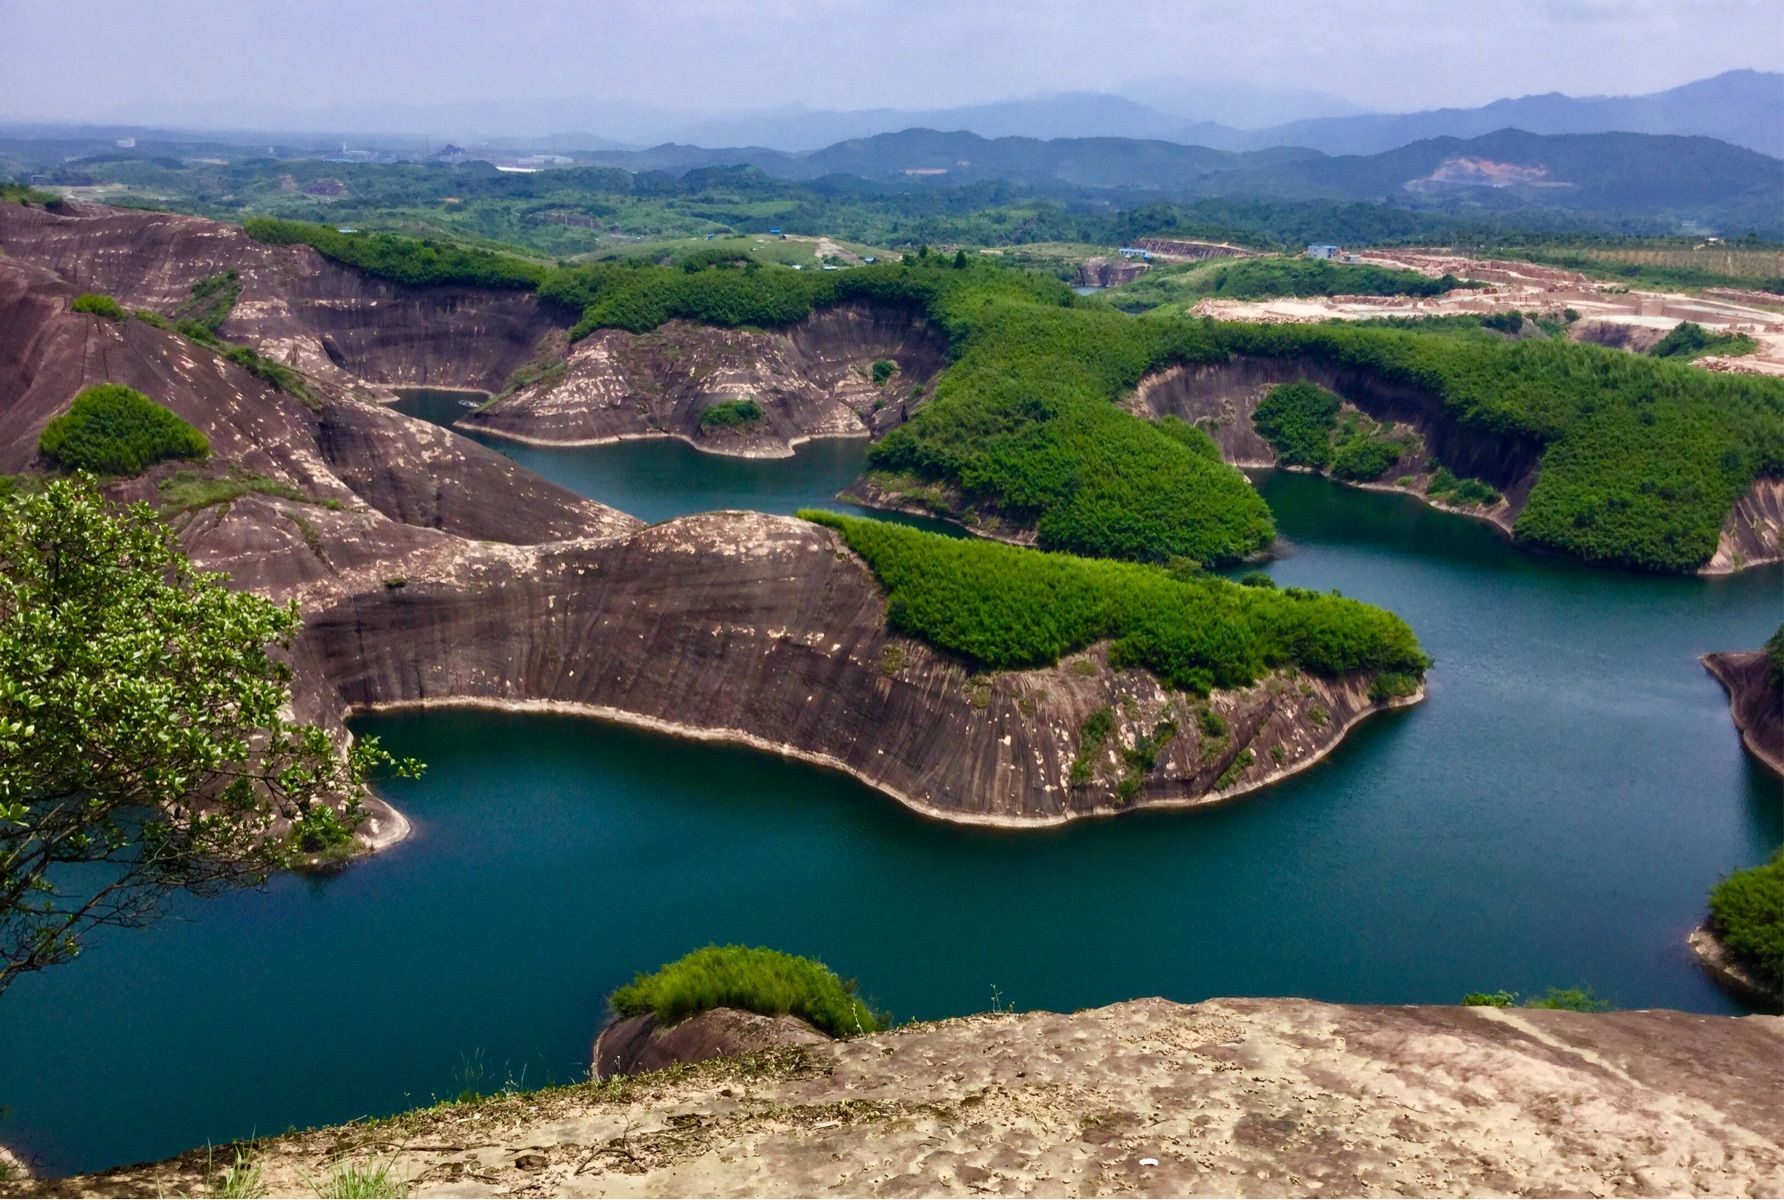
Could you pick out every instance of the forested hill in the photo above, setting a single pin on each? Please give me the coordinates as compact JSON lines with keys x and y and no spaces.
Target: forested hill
{"x":1663,"y":180}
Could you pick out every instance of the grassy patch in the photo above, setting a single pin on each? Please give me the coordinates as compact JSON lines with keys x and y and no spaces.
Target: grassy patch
{"x":1267,"y":277}
{"x":114,"y":430}
{"x":188,"y":491}
{"x":210,"y":300}
{"x":1466,"y":493}
{"x":731,"y":414}
{"x":754,"y":979}
{"x":1241,"y":763}
{"x":1093,"y":735}
{"x":361,"y":1181}
{"x":99,"y":305}
{"x":1003,"y":606}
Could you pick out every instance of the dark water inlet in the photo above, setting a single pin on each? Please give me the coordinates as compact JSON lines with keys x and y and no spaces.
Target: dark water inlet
{"x":1554,"y":814}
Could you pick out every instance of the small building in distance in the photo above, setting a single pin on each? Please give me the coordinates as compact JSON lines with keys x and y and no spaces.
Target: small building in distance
{"x":1322,"y":251}
{"x":1135,"y":252}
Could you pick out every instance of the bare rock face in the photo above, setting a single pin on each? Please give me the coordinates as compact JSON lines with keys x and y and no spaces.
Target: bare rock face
{"x":1224,"y":1098}
{"x":1755,"y":701}
{"x":1753,"y":533}
{"x":767,"y":632}
{"x":1222,"y":398}
{"x":813,"y":379}
{"x":1106,"y":272}
{"x":432,"y":571}
{"x":332,"y":322}
{"x":634,"y":1045}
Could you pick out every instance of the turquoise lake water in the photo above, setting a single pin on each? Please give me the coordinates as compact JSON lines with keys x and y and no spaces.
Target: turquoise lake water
{"x":1553,"y":815}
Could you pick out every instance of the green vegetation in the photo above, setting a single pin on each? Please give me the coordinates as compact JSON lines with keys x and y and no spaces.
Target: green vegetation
{"x":243,"y":1179}
{"x":1393,"y":685}
{"x":18,"y":193}
{"x":274,"y":374}
{"x":99,"y":304}
{"x":1774,"y":657}
{"x":1298,"y":419}
{"x":882,"y":371}
{"x":1464,"y":493}
{"x":1001,"y":606}
{"x":1301,"y":422}
{"x":211,"y":300}
{"x":754,"y":979}
{"x":1093,"y":735}
{"x":1262,"y":278}
{"x":424,"y":263}
{"x":1571,"y":999}
{"x":188,"y":491}
{"x":1668,"y":264}
{"x":1241,"y":763}
{"x":731,"y":414}
{"x":1641,"y":458}
{"x":1360,"y":453}
{"x":1687,"y":341}
{"x":149,"y":693}
{"x":1747,"y":913}
{"x":114,"y":430}
{"x":355,"y":1181}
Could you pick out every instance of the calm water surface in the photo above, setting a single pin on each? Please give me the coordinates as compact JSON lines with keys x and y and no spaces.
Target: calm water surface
{"x":1553,"y":815}
{"x":659,"y":478}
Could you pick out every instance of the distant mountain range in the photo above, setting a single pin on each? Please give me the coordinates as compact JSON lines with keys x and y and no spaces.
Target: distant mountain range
{"x":1745,"y":108}
{"x":1665,"y":181}
{"x":1742,"y":107}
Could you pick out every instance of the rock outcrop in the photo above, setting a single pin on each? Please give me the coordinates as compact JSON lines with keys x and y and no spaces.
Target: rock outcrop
{"x":433,"y":571}
{"x":1755,"y":700}
{"x":1753,"y":532}
{"x":765,"y":631}
{"x":812,"y":379}
{"x":1222,"y":398}
{"x":334,"y":323}
{"x":1110,"y":272}
{"x":1227,"y":1097}
{"x":635,"y":1045}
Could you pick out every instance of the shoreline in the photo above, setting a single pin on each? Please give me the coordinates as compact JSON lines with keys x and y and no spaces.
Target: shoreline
{"x":657,"y":436}
{"x":1715,"y":960}
{"x":1713,"y":664}
{"x":738,"y":737}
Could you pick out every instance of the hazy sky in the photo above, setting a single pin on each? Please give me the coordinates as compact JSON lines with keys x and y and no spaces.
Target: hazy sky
{"x":172,"y":60}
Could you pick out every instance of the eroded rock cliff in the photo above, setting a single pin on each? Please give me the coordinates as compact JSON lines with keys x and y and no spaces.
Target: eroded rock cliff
{"x":1755,"y":700}
{"x":1226,"y":1097}
{"x":433,"y":571}
{"x":1223,"y":397}
{"x":813,"y":379}
{"x":332,"y":322}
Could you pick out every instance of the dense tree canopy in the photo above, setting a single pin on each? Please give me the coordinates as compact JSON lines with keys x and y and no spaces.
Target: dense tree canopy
{"x":142,"y":746}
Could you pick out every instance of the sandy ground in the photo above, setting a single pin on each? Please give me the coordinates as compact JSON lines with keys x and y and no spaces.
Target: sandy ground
{"x":1227,"y":1097}
{"x":1645,"y":316}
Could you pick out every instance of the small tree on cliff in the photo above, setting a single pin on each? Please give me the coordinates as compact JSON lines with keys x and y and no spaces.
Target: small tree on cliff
{"x":142,"y":750}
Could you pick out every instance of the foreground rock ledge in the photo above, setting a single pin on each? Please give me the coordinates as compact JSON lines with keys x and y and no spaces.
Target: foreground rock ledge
{"x":1230,"y":1097}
